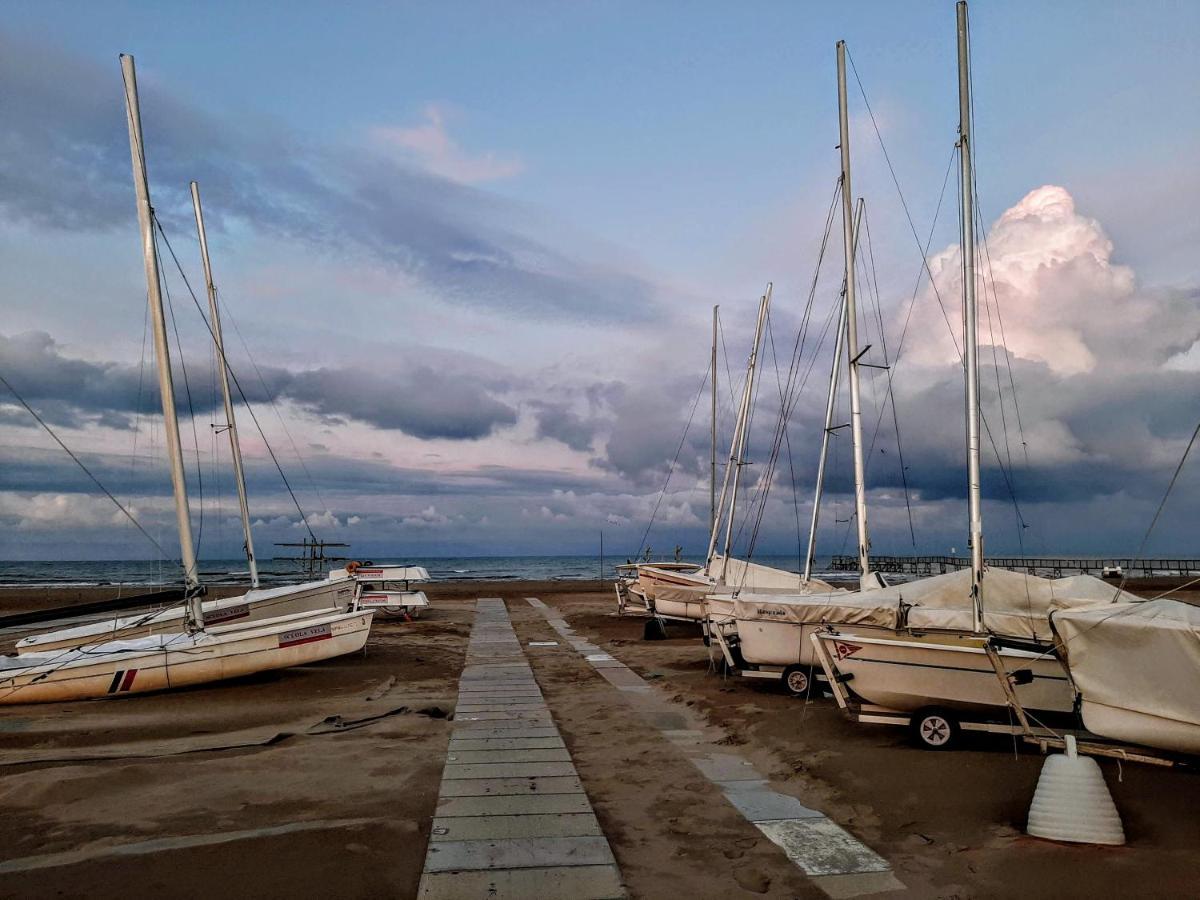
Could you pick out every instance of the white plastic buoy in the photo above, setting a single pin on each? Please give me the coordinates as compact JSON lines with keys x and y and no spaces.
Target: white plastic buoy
{"x":1072,"y":802}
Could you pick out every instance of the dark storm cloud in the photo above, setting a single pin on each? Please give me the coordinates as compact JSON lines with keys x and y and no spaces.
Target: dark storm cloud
{"x":64,"y":164}
{"x":423,"y":402}
{"x":420,"y":401}
{"x":558,"y":422}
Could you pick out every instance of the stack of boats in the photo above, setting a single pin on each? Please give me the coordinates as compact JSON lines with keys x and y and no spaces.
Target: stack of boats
{"x":201,"y":641}
{"x":970,"y":644}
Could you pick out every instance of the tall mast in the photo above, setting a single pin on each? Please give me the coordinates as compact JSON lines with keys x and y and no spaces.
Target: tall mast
{"x":852,"y":351}
{"x":732,"y":467}
{"x":162,"y":352}
{"x":712,"y":481}
{"x":743,"y":433}
{"x":970,"y":332}
{"x":235,"y":446}
{"x":830,"y":402}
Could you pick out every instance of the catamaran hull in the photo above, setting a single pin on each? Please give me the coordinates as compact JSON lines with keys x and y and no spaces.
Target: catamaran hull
{"x":290,"y":641}
{"x":1132,"y":726}
{"x":911,"y":675}
{"x":765,"y":643}
{"x":255,"y":606}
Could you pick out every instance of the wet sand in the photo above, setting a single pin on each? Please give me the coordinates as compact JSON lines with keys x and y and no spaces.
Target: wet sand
{"x":322,"y":780}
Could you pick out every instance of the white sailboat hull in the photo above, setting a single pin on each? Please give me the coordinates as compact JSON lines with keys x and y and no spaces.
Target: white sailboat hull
{"x":765,"y":643}
{"x":254,"y":606}
{"x":1137,"y":727}
{"x":951,"y":671}
{"x":163,"y":661}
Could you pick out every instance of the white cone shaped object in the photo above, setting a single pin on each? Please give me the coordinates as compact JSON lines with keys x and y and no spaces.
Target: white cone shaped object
{"x":1072,"y":802}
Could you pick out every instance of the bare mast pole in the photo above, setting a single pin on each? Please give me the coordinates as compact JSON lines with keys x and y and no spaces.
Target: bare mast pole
{"x":732,"y":466}
{"x":235,"y":446}
{"x":712,"y":481}
{"x":747,"y":399}
{"x":970,"y":330}
{"x":860,"y":486}
{"x":162,"y":352}
{"x":830,"y":402}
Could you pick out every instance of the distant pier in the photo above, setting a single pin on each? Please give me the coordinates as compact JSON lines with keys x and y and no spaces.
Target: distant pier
{"x":1034,"y":565}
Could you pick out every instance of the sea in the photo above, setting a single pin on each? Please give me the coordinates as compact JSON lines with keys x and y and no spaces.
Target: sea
{"x":229,"y":571}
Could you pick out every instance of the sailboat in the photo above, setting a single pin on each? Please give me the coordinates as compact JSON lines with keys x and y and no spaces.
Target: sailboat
{"x":195,"y":652}
{"x":326,"y":594}
{"x":704,"y":592}
{"x":765,"y":632}
{"x":940,"y":660}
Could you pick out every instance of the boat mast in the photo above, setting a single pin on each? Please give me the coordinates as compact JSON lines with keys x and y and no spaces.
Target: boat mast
{"x":712,"y":481}
{"x":852,"y":351}
{"x":235,"y":446}
{"x":970,"y":331}
{"x":162,"y":352}
{"x":732,"y":467}
{"x":830,"y":402}
{"x":747,"y":400}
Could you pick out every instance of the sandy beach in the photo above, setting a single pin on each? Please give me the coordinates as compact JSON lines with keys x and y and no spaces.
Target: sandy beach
{"x":323,"y":780}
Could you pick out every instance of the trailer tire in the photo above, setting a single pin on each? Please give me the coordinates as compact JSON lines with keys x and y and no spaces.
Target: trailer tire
{"x":797,"y":680}
{"x":934,"y":728}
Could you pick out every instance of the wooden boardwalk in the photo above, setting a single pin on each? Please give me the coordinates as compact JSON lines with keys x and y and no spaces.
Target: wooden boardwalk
{"x":512,"y":819}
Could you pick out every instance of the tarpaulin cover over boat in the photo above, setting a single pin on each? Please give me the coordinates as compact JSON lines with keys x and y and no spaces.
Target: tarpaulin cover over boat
{"x":1015,"y":605}
{"x":1137,"y":670}
{"x":691,"y":587}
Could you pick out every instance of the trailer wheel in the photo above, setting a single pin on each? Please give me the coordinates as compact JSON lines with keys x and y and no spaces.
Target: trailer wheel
{"x":796,"y":680}
{"x":935,"y":729}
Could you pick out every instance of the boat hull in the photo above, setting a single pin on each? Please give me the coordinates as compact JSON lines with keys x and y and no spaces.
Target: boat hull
{"x":254,"y":606}
{"x":116,"y":669}
{"x":908,"y":674}
{"x":1132,"y":726}
{"x":767,"y":643}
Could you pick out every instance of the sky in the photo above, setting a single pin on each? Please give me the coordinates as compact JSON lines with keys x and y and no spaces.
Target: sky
{"x":467,"y":260}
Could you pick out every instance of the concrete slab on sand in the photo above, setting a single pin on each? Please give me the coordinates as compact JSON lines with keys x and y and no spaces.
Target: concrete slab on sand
{"x":493,"y":827}
{"x":552,"y":742}
{"x":595,"y":882}
{"x":522,"y":754}
{"x":513,"y":805}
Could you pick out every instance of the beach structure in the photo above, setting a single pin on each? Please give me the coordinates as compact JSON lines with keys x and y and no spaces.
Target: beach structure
{"x":193,"y":652}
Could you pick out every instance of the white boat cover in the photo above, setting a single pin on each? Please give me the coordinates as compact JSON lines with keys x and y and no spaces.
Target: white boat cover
{"x":832,"y":607}
{"x":1015,"y":605}
{"x":741,"y":576}
{"x":1142,"y":657}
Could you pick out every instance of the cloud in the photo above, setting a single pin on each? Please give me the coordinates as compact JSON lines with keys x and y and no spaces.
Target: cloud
{"x":556,"y":421}
{"x":65,"y":166}
{"x":431,"y":145}
{"x":1063,"y":299}
{"x":429,"y":517}
{"x":420,"y":400}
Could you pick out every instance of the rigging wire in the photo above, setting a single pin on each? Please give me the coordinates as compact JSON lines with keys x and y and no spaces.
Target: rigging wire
{"x":187,"y":388}
{"x":794,"y":386}
{"x":675,"y":461}
{"x":1161,"y":505}
{"x":904,"y":203}
{"x":891,"y":395}
{"x":86,"y":470}
{"x":237,"y":383}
